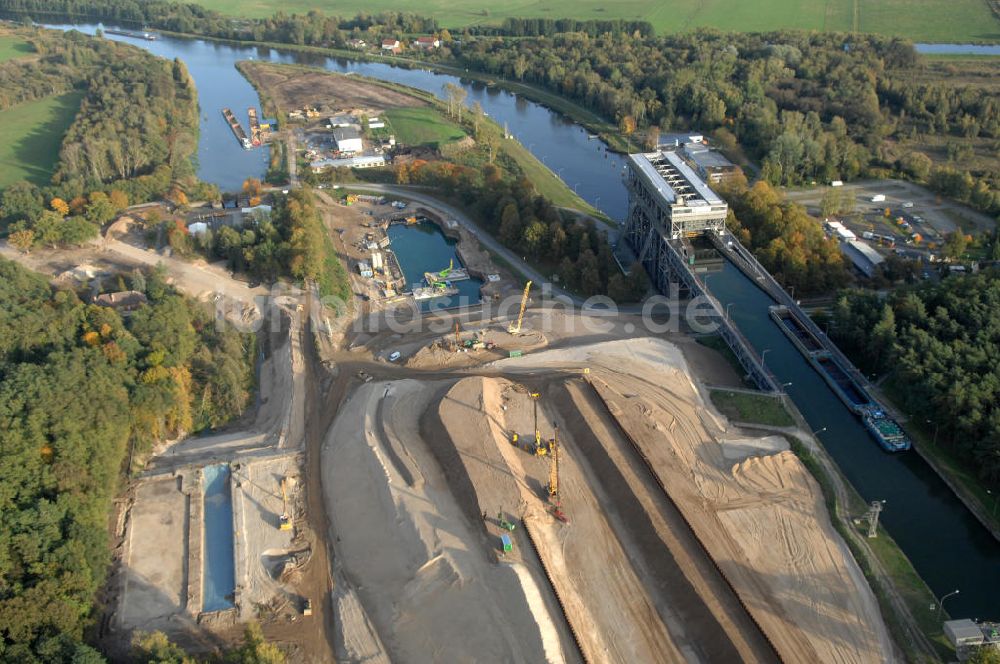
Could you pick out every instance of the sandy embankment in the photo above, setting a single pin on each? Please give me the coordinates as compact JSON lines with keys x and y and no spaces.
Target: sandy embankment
{"x":428,"y":591}
{"x":606,"y":599}
{"x":762,"y":519}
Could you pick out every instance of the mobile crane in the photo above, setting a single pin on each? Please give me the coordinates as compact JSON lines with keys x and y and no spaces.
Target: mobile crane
{"x":538,"y":449}
{"x":554,"y":478}
{"x":515,"y":328}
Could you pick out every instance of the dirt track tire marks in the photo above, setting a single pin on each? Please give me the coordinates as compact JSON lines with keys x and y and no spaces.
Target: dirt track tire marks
{"x":667,"y":548}
{"x":656,"y":478}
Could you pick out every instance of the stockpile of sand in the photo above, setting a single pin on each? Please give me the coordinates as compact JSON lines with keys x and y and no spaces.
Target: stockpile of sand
{"x":424,"y":580}
{"x":762,"y":519}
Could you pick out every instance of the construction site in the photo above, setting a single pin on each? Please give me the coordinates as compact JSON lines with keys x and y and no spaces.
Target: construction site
{"x":516,"y":484}
{"x":581,"y":504}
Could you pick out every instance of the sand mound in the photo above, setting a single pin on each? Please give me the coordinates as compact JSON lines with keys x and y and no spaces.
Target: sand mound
{"x":762,"y":518}
{"x":415,"y":561}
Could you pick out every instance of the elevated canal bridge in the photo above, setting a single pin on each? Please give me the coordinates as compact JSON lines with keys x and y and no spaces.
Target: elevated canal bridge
{"x":668,"y":206}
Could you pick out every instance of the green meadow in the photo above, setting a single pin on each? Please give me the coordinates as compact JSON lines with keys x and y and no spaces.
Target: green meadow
{"x":919,"y":20}
{"x":33,"y":133}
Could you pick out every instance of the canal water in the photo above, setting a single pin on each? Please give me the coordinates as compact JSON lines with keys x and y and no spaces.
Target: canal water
{"x":947,"y":546}
{"x":218,"y":566}
{"x":422,"y":247}
{"x":563,"y":146}
{"x":958,"y":49}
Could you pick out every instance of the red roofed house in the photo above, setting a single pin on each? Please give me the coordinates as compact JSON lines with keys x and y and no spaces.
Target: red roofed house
{"x":391,"y":45}
{"x":427,"y":42}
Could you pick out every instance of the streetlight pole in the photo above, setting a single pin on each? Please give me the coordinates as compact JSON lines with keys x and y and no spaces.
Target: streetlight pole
{"x":727,"y":313}
{"x":940,"y":602}
{"x":993,"y":512}
{"x":574,"y":188}
{"x":763,"y":355}
{"x":818,"y":431}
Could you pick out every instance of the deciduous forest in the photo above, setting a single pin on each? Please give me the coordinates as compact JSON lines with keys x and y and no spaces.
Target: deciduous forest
{"x":83,"y":391}
{"x":939,"y":345}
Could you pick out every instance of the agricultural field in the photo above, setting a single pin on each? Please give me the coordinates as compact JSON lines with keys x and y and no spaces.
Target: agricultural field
{"x":33,"y":134}
{"x":422,"y":126}
{"x":12,"y":47}
{"x":920,"y":20}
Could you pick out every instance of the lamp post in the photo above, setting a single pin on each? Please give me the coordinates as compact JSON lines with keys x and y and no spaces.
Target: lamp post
{"x":763,"y":361}
{"x":727,"y":313}
{"x":941,"y":600}
{"x":993,"y":512}
{"x":936,"y":427}
{"x":818,"y":431}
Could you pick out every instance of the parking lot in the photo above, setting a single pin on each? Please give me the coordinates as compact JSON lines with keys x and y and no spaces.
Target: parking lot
{"x":922,"y":210}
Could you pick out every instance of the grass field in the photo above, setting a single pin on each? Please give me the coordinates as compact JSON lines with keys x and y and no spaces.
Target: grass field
{"x":32,"y":135}
{"x":422,"y":126}
{"x":755,"y":408}
{"x":13,"y":47}
{"x":920,"y":20}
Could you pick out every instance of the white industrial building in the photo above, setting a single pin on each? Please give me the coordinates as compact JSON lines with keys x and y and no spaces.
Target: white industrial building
{"x":842,"y":232}
{"x":348,"y":139}
{"x":362,"y":161}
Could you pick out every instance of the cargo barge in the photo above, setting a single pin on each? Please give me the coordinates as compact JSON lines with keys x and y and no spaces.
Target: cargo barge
{"x":444,"y":289}
{"x":254,"y":126}
{"x":886,"y":432}
{"x":234,"y":124}
{"x":450,"y":273}
{"x":148,"y":36}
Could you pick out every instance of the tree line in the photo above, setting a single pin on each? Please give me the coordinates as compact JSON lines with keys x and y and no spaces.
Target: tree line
{"x":807,"y":106}
{"x":538,"y":27}
{"x":131,"y":141}
{"x":576,"y":253}
{"x":784,"y":238}
{"x":82,"y":390}
{"x":938,"y":344}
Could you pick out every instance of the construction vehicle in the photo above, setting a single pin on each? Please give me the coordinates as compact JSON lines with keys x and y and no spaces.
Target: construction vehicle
{"x":513,"y":439}
{"x":307,"y":608}
{"x":504,"y":523}
{"x":515,"y":328}
{"x":554,"y":499}
{"x":538,"y":449}
{"x":286,"y":518}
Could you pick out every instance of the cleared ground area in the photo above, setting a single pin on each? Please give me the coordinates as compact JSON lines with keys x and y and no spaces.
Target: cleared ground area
{"x":685,"y":540}
{"x":293,"y":88}
{"x":429,"y":589}
{"x":753,"y":506}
